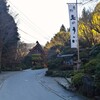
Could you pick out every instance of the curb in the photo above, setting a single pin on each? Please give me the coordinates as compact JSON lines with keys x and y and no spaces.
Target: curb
{"x":66,"y":86}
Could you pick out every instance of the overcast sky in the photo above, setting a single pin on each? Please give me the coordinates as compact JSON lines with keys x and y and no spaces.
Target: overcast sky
{"x":40,"y":19}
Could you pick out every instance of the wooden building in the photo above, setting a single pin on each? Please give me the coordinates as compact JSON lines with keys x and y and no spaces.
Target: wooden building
{"x":37,"y":49}
{"x":38,"y":55}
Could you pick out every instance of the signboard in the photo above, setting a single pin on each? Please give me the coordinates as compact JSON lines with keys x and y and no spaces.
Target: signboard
{"x":73,"y":25}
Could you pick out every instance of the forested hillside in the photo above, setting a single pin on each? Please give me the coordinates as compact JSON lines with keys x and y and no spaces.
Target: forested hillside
{"x":89,"y":29}
{"x":62,"y":59}
{"x":88,"y":32}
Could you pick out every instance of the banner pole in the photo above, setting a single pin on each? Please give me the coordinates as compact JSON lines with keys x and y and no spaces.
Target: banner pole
{"x":78,"y":55}
{"x":73,"y":15}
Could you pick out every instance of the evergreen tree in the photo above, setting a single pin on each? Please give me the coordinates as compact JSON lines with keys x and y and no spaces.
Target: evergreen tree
{"x":8,"y":36}
{"x":62,"y":28}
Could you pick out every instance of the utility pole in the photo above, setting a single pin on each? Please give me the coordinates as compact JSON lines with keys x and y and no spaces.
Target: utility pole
{"x":78,"y":53}
{"x":73,"y":15}
{"x":78,"y":49}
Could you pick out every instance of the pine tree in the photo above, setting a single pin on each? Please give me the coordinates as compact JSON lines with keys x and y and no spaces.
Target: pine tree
{"x":62,"y":28}
{"x":8,"y":36}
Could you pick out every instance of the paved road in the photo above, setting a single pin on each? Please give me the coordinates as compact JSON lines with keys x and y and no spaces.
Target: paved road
{"x":33,"y":85}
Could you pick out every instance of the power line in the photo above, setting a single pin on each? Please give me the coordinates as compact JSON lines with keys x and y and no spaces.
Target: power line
{"x":28,"y":20}
{"x":46,"y":38}
{"x":86,"y":2}
{"x":24,"y":31}
{"x":27,"y":33}
{"x":26,"y":39}
{"x":32,"y":28}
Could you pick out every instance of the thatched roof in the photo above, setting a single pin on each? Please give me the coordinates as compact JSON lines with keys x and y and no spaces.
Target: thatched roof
{"x":37,"y":49}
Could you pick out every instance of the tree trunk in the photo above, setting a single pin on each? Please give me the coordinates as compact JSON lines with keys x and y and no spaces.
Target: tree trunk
{"x":0,"y":58}
{"x":1,"y":45}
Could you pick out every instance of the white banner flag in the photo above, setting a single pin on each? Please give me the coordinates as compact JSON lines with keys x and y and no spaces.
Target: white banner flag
{"x":73,"y":25}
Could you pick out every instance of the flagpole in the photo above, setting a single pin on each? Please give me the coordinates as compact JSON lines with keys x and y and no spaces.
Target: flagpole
{"x":78,"y":55}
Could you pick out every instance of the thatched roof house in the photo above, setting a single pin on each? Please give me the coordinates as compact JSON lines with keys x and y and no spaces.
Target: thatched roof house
{"x":37,"y":49}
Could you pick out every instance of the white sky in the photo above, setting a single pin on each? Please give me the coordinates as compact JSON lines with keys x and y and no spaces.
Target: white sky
{"x":40,"y":19}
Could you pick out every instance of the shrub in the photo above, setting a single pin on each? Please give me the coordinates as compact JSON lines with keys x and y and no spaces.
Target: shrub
{"x":77,"y":80}
{"x":22,"y":66}
{"x":36,"y":57}
{"x":97,"y":80}
{"x":66,"y":67}
{"x":49,"y":73}
{"x":14,"y":67}
{"x":37,"y":67}
{"x":98,"y":56}
{"x":58,"y":74}
{"x":97,"y":72}
{"x":27,"y":61}
{"x":54,"y":63}
{"x":95,"y":50}
{"x":55,"y":73}
{"x":90,"y":67}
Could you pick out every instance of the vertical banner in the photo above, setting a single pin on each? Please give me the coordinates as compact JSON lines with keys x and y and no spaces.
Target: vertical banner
{"x":73,"y":25}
